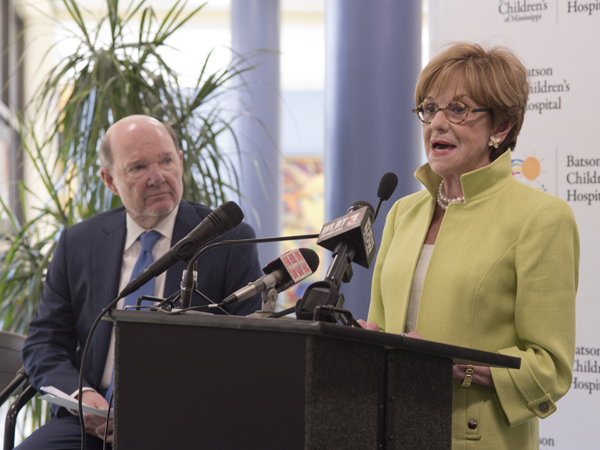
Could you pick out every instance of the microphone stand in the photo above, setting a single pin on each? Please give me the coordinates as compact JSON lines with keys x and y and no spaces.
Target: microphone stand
{"x":189,"y":279}
{"x":188,"y":287}
{"x":194,"y":259}
{"x":269,"y":300}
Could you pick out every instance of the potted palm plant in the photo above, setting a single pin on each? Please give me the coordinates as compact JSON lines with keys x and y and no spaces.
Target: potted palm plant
{"x":106,"y":78}
{"x":110,"y":74}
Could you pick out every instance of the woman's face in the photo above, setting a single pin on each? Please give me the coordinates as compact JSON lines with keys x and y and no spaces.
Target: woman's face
{"x":455,"y":149}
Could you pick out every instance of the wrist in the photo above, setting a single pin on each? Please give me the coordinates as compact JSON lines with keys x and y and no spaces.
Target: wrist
{"x":468,"y":378}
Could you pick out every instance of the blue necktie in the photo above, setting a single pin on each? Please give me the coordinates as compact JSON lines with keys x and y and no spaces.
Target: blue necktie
{"x":149,"y":239}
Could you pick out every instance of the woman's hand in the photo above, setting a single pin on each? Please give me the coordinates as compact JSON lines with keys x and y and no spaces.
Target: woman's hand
{"x":373,"y":327}
{"x":413,"y":335}
{"x":481,"y":375}
{"x":368,"y":325}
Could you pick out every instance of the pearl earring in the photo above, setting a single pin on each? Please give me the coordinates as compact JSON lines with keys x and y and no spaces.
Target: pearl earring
{"x":494,"y":142}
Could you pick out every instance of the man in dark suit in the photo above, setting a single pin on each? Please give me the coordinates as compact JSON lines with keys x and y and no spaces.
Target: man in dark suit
{"x":94,"y":260}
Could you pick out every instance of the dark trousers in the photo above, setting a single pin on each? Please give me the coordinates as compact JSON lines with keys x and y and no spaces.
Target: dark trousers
{"x":60,"y":433}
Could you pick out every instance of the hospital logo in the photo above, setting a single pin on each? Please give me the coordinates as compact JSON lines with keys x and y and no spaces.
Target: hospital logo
{"x":522,"y":10}
{"x":528,"y":169}
{"x":583,"y":7}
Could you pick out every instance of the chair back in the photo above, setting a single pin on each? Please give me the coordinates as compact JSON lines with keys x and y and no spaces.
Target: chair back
{"x":11,"y":345}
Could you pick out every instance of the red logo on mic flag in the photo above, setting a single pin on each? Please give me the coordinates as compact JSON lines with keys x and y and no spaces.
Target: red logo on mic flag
{"x":296,"y":265}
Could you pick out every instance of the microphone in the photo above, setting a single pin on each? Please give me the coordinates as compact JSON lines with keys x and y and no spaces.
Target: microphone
{"x":357,"y":226}
{"x":189,"y":280}
{"x":351,"y":239}
{"x":387,"y":186}
{"x":281,"y":274}
{"x":351,"y":235}
{"x":222,"y":219}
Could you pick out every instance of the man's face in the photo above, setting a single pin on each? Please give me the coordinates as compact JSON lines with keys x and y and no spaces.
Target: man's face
{"x":146,"y":170}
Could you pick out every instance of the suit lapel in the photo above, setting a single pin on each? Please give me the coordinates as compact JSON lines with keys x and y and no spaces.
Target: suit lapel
{"x":106,"y":262}
{"x":108,"y":257}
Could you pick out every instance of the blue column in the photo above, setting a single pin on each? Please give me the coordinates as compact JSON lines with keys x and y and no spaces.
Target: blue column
{"x":255,"y":34}
{"x":373,"y":60}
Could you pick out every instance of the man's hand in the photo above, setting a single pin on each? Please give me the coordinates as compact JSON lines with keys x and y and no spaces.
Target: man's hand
{"x":94,"y":424}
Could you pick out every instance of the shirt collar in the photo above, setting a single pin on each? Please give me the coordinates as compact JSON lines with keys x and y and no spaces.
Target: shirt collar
{"x":476,"y":184}
{"x":164,"y":227}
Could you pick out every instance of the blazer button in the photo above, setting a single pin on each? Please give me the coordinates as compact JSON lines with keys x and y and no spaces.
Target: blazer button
{"x":544,"y":407}
{"x":472,"y":424}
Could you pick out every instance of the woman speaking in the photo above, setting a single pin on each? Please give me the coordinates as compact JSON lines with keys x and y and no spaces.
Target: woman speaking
{"x":478,"y":259}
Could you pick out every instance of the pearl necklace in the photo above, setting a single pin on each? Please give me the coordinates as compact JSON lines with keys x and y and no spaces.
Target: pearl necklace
{"x":443,"y":201}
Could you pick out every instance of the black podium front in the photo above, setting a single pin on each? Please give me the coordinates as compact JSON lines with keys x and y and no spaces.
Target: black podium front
{"x":217,"y":382}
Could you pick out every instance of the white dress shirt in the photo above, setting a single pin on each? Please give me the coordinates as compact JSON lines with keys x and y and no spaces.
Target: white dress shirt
{"x":131,"y":253}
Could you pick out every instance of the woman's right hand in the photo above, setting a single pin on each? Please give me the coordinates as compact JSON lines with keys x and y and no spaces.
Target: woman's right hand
{"x":368,"y":325}
{"x":413,"y":335}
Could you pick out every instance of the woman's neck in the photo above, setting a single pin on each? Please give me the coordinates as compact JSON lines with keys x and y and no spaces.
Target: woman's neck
{"x":452,"y":188}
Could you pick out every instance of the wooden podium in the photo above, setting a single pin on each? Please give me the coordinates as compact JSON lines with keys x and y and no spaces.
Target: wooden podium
{"x":219,"y":382}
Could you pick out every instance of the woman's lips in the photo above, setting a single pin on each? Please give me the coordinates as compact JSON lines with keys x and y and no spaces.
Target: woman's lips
{"x":439,"y":147}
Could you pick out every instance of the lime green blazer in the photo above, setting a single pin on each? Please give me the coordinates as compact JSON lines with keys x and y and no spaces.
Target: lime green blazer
{"x":502,"y":278}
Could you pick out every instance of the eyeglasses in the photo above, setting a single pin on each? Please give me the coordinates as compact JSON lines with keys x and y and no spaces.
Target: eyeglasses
{"x":455,"y":112}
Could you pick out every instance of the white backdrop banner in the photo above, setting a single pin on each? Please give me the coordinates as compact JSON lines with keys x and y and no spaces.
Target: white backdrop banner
{"x":558,"y":151}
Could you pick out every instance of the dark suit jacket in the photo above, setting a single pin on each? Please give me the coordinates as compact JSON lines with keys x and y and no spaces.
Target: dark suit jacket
{"x":83,"y":278}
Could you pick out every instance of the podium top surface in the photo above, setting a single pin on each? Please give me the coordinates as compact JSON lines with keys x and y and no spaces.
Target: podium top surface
{"x":459,"y":355}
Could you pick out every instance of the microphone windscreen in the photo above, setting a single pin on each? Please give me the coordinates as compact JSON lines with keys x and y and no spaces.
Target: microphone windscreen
{"x":361,"y":204}
{"x":387,"y":186}
{"x":233,"y":212}
{"x":311,"y":258}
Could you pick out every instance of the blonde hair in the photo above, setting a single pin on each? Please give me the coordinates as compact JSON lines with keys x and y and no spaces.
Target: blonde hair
{"x":493,"y":78}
